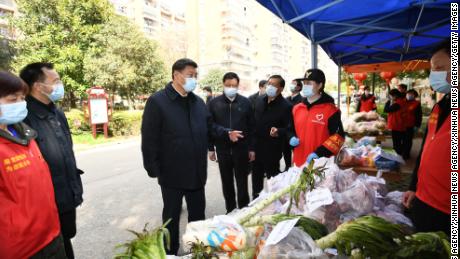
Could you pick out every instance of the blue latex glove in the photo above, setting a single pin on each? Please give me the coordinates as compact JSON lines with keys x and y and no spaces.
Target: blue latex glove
{"x":311,"y":157}
{"x":294,"y":142}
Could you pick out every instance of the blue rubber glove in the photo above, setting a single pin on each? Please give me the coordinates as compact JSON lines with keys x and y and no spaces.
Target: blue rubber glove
{"x":294,"y":142}
{"x":311,"y":157}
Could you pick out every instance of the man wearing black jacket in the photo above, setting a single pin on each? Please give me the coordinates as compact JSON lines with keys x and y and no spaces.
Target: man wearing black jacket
{"x":233,"y":111}
{"x":273,"y":115}
{"x":295,"y":87}
{"x":55,"y":142}
{"x":253,"y":98}
{"x":176,"y":126}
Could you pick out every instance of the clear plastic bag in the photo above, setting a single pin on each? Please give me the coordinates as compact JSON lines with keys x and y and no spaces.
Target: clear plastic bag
{"x":394,"y":197}
{"x":357,"y":200}
{"x":296,"y":245}
{"x":344,"y":179}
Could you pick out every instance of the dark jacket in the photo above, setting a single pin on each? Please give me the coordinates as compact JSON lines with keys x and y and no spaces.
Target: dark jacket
{"x":175,"y":134}
{"x":55,"y":142}
{"x":253,"y":99}
{"x":274,"y":114}
{"x":236,"y":115}
{"x":296,"y":100}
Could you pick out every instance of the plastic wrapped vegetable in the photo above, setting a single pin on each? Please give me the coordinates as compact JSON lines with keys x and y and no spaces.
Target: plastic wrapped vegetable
{"x":296,"y":245}
{"x":357,"y":200}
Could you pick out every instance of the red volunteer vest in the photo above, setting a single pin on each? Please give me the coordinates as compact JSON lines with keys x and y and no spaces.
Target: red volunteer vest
{"x":396,"y":120}
{"x":28,"y":214}
{"x":367,"y":105}
{"x":411,"y":106}
{"x":312,"y":130}
{"x":433,"y":187}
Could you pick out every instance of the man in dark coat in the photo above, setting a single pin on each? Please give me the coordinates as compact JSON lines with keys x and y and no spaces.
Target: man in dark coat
{"x":55,"y":142}
{"x":273,"y":115}
{"x":176,"y":126}
{"x":262,"y":86}
{"x":234,"y":111}
{"x":295,"y":87}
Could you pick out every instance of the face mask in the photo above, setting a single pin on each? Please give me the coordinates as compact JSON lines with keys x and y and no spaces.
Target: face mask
{"x":366,"y":93}
{"x":438,"y":82}
{"x":57,"y":93}
{"x":190,"y":84}
{"x":307,"y":90}
{"x":410,"y":97}
{"x":292,"y":87}
{"x":271,"y":91}
{"x":230,"y":92}
{"x":13,"y":113}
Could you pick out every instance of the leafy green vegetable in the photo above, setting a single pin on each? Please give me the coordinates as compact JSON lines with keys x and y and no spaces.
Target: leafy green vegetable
{"x":424,"y":245}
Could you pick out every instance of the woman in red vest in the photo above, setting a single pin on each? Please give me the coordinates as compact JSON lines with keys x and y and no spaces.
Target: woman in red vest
{"x":29,"y":223}
{"x":395,"y":107}
{"x":429,"y":194}
{"x":317,"y":130}
{"x":366,"y":102}
{"x":413,"y":120}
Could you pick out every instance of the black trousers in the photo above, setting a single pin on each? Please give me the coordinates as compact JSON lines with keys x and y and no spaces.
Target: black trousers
{"x":407,"y":143}
{"x":172,"y":206}
{"x":398,"y":141}
{"x":54,"y":250}
{"x":68,"y":222}
{"x":267,"y":164}
{"x":287,"y":154}
{"x":429,"y":219}
{"x":234,"y":166}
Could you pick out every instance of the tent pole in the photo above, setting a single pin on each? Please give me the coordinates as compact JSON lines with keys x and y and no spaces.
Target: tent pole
{"x":339,"y":79}
{"x":314,"y":55}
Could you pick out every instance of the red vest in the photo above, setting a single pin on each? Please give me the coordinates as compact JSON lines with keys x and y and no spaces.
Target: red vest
{"x":311,"y":127}
{"x":396,"y":120}
{"x":433,"y":187}
{"x":28,"y":214}
{"x":411,"y":106}
{"x":367,"y":105}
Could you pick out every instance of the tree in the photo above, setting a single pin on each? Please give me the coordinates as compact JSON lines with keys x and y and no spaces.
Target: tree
{"x":61,"y":32}
{"x":6,"y":54}
{"x":213,"y":79}
{"x":124,"y":61}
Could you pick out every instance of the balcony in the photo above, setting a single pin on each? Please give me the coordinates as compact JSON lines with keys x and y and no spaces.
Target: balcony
{"x":7,"y":4}
{"x":166,"y":10}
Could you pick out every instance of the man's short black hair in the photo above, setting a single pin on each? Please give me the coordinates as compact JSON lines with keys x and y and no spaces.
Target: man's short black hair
{"x":412,"y":91}
{"x":298,"y":82}
{"x":366,"y":88}
{"x":403,"y":86}
{"x":396,"y":93}
{"x":280,"y":79}
{"x":262,"y":83}
{"x":182,"y":63}
{"x":207,"y":89}
{"x":33,"y":73}
{"x":230,"y":76}
{"x":444,"y":45}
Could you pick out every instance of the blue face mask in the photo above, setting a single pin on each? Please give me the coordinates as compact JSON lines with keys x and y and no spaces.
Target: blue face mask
{"x":438,"y":80}
{"x":190,"y":84}
{"x":307,"y":90}
{"x":271,"y":91}
{"x":13,"y":113}
{"x":57,"y":93}
{"x":230,"y":92}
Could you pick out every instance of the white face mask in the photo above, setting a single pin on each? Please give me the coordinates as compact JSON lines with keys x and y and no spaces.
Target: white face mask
{"x":293,"y":87}
{"x":271,"y":91}
{"x":307,"y":91}
{"x":438,"y":80}
{"x":230,"y":92}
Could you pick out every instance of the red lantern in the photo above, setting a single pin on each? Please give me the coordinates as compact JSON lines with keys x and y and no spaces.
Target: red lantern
{"x":360,"y":77}
{"x":387,"y":76}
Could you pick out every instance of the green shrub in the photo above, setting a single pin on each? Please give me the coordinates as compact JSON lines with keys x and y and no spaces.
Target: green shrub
{"x":125,"y":123}
{"x":77,"y":122}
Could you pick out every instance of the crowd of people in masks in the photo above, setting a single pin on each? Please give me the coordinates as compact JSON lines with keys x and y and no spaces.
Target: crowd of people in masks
{"x":40,"y":184}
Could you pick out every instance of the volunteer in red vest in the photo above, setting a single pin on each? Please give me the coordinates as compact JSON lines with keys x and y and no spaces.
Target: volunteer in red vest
{"x":395,"y":107}
{"x":29,"y":223}
{"x":413,"y":120}
{"x":366,"y":102}
{"x":317,"y":129}
{"x":429,"y":193}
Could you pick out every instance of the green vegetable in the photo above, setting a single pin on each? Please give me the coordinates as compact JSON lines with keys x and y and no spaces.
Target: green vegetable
{"x":373,"y":236}
{"x":147,"y":245}
{"x":201,"y":251}
{"x":310,"y":226}
{"x":424,"y":245}
{"x":305,"y":182}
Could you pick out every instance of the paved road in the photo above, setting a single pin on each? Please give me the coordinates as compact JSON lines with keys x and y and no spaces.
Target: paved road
{"x":119,"y":195}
